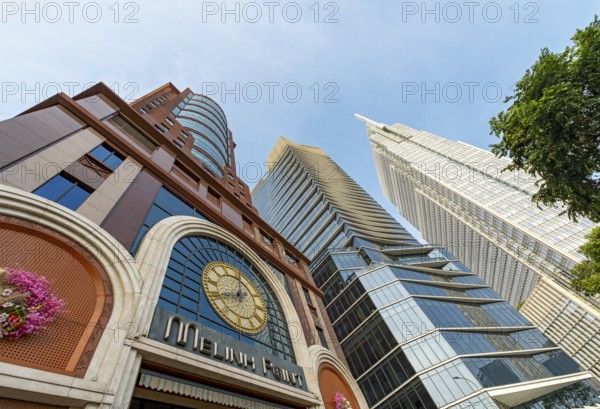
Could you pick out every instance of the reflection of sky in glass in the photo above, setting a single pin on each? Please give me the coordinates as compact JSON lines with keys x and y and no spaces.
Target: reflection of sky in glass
{"x":182,"y":292}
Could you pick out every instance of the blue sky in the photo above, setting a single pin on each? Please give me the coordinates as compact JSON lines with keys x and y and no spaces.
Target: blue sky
{"x":435,"y":66}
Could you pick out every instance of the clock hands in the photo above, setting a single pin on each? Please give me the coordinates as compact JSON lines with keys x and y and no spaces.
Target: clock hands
{"x":237,"y":294}
{"x":239,"y":273}
{"x":240,"y":306}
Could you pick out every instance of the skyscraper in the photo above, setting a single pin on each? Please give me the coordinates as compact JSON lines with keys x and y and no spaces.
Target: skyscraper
{"x":177,"y":294}
{"x":310,"y":200}
{"x":458,"y":196}
{"x":418,"y":329}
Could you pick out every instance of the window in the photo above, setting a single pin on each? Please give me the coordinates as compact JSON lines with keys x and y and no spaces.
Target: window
{"x":132,"y":131}
{"x":108,"y":156}
{"x":247,"y":223}
{"x":208,"y":163}
{"x":307,"y":296}
{"x":322,"y":337}
{"x":183,"y":294}
{"x":219,"y":139}
{"x":213,"y":196}
{"x":183,"y":134}
{"x":266,"y":238}
{"x":181,"y":169}
{"x":166,"y":204}
{"x":291,"y":258}
{"x":230,"y":176}
{"x":169,"y":121}
{"x":231,"y":185}
{"x":159,"y":128}
{"x":65,"y":191}
{"x":143,"y":111}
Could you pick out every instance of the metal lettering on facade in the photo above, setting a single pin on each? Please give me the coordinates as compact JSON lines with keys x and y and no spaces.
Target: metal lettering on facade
{"x":175,"y":330}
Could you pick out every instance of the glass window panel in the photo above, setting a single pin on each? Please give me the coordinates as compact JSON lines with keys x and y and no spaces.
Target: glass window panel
{"x":74,"y":197}
{"x":101,"y":153}
{"x":193,"y":303}
{"x":54,"y":187}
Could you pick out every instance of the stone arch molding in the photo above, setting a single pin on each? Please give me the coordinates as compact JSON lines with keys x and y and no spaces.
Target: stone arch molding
{"x":101,"y":380}
{"x":153,"y":258}
{"x":320,"y":355}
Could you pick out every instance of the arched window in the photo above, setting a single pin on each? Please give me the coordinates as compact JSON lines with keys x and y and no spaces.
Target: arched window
{"x":182,"y":292}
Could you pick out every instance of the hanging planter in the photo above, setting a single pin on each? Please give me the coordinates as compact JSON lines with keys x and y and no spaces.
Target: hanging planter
{"x":27,"y":305}
{"x":341,"y":402}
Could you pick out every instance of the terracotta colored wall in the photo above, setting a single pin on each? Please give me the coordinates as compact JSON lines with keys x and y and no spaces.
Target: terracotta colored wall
{"x":330,"y":383}
{"x":68,"y":344}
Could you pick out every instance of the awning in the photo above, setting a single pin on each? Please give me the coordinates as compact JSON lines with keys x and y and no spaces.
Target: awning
{"x":198,"y":392}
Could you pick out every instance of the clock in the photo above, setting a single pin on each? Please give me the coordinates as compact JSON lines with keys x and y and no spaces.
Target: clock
{"x":234,"y":297}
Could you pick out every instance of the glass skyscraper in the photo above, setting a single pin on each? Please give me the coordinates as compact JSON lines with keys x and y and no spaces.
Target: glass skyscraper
{"x":315,"y":204}
{"x":417,"y":327}
{"x":458,"y":196}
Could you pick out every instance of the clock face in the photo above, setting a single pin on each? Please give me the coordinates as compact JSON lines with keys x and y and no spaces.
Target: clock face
{"x":234,"y":297}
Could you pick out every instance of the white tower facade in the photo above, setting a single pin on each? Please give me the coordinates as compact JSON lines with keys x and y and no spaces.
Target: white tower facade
{"x":457,"y":196}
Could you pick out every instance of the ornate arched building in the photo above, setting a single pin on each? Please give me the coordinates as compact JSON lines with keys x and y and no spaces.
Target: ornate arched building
{"x":177,"y":294}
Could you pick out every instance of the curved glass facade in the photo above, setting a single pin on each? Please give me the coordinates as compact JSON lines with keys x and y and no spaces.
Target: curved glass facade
{"x":205,"y":145}
{"x":205,"y":119}
{"x":182,"y":292}
{"x":204,"y":130}
{"x":404,"y":324}
{"x":208,"y":162}
{"x":211,"y":105}
{"x":197,"y":112}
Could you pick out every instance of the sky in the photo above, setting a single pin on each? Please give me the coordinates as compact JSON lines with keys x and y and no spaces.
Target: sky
{"x":294,"y":69}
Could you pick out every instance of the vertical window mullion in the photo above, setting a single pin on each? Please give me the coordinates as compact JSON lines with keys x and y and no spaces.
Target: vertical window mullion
{"x":73,"y":184}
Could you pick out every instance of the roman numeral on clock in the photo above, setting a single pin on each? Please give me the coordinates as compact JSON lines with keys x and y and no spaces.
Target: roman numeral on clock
{"x":214,"y":294}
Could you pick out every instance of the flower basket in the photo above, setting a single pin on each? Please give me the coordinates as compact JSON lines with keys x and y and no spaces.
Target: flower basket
{"x":341,"y":402}
{"x":27,"y":305}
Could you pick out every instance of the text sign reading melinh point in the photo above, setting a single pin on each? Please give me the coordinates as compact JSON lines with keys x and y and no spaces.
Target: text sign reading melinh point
{"x":177,"y":331}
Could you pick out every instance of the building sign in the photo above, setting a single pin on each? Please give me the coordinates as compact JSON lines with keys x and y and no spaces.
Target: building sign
{"x":177,"y":331}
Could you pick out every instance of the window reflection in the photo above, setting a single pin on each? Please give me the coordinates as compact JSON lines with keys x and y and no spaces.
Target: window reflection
{"x":182,"y":293}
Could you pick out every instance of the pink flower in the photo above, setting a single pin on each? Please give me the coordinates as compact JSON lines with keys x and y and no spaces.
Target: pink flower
{"x":42,"y":305}
{"x":339,"y":400}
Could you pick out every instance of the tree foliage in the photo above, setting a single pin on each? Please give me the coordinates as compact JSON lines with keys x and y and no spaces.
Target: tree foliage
{"x":552,"y":129}
{"x":552,"y":132}
{"x":587,"y":274}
